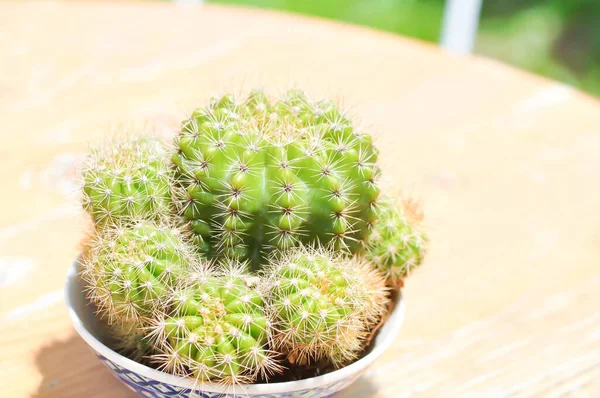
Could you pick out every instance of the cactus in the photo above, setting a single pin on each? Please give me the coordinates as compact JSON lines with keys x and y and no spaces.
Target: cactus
{"x":127,"y":179}
{"x":397,"y":245}
{"x":322,"y":305}
{"x":130,"y":338}
{"x":284,"y":186}
{"x":215,"y":329}
{"x":128,"y":270}
{"x":255,"y":176}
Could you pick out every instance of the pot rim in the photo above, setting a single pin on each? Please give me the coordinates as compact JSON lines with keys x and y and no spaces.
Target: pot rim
{"x":383,"y":340}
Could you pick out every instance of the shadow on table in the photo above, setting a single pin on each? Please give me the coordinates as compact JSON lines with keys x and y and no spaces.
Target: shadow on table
{"x":70,"y":369}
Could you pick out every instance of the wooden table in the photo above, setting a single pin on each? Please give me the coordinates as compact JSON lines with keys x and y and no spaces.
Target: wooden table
{"x":507,"y":165}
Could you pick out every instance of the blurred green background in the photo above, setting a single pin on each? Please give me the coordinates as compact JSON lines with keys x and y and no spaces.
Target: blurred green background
{"x":555,"y":38}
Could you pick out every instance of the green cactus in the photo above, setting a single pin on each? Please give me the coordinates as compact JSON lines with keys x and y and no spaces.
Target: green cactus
{"x":215,"y":329}
{"x":127,"y":179}
{"x":397,"y":245}
{"x":322,"y":305}
{"x":285,"y":186}
{"x":254,"y":176}
{"x":127,"y":272}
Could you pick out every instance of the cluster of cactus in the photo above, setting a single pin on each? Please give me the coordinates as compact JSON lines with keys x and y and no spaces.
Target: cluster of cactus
{"x":257,"y":242}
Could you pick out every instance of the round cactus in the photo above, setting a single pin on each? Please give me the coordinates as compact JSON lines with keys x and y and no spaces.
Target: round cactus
{"x":215,"y":329}
{"x":127,"y":179}
{"x":253,"y":176}
{"x":397,"y":245}
{"x":128,"y":270}
{"x":323,"y":305}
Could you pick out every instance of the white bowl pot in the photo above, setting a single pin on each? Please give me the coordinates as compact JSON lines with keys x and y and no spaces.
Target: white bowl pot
{"x":150,"y":382}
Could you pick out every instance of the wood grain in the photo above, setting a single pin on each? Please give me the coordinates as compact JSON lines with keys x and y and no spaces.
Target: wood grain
{"x":506,"y":163}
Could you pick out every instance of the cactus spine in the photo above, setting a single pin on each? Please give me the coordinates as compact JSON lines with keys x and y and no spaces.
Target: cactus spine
{"x":253,"y":176}
{"x":322,"y":305}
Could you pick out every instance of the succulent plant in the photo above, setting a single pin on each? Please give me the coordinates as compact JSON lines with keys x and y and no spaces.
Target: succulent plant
{"x":287,"y":187}
{"x":397,"y":245}
{"x":215,"y":329}
{"x":322,"y":305}
{"x":127,"y":179}
{"x":253,"y":176}
{"x":127,"y":272}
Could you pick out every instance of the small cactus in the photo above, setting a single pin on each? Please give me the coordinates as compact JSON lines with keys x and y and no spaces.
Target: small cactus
{"x":215,"y":329}
{"x":322,"y":305}
{"x":128,"y":270}
{"x":127,"y":179}
{"x":397,"y":245}
{"x":254,"y":176}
